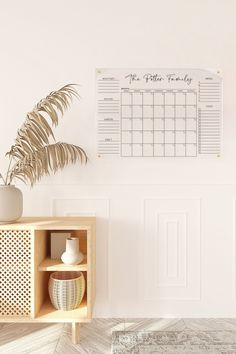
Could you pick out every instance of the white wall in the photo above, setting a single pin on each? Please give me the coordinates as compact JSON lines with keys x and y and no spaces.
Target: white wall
{"x":166,"y":227}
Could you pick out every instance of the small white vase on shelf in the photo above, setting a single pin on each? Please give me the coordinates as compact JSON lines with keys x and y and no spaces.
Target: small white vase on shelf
{"x":11,"y":203}
{"x":72,"y":254}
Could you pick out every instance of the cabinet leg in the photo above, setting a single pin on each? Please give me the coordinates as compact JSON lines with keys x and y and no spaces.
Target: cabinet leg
{"x":75,"y":332}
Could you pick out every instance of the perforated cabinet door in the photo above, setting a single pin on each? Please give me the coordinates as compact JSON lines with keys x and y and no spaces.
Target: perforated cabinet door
{"x":15,"y":272}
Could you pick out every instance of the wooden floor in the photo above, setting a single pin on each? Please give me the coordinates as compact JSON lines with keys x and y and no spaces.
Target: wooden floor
{"x":95,"y":336}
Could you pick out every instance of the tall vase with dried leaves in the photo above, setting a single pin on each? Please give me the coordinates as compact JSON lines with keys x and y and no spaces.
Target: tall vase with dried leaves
{"x":36,"y":152}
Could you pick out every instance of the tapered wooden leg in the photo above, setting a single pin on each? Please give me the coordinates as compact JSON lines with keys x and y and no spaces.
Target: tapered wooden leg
{"x":75,"y":332}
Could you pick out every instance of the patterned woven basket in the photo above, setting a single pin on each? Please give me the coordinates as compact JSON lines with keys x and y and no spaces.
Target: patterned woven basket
{"x":66,"y":290}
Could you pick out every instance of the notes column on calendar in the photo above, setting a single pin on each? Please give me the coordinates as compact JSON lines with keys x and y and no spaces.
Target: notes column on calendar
{"x":209,"y":117}
{"x":108,"y":112}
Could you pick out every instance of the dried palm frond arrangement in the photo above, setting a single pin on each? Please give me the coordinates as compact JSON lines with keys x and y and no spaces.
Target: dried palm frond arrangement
{"x":36,"y":152}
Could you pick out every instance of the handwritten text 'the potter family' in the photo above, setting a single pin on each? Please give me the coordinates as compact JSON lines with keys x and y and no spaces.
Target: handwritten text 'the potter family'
{"x":170,"y":78}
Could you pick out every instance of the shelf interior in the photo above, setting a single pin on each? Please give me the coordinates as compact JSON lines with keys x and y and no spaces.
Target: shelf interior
{"x":43,"y":266}
{"x":48,"y":313}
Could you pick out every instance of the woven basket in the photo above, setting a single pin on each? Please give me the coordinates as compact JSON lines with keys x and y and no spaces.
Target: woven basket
{"x":66,"y":290}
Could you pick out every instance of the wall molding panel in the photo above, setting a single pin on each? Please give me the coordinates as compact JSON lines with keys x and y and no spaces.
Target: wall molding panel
{"x":234,"y":249}
{"x":172,"y":242}
{"x":171,"y":266}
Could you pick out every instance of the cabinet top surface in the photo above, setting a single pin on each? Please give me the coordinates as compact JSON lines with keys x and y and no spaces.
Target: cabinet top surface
{"x":51,"y":223}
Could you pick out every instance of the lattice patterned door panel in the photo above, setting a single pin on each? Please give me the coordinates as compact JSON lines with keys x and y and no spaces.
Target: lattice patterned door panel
{"x":15,"y":272}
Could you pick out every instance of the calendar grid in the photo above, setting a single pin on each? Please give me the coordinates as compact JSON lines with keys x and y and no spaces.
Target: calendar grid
{"x":158,"y":123}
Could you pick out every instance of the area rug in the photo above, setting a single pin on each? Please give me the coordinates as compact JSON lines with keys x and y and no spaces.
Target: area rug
{"x":174,"y":342}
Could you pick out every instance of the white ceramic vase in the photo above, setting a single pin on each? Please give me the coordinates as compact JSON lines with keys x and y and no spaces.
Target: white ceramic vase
{"x":72,"y":254}
{"x":11,"y":204}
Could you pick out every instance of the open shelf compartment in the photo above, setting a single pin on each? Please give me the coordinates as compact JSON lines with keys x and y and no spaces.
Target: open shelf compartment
{"x":43,"y":310}
{"x":42,"y":240}
{"x":48,"y":313}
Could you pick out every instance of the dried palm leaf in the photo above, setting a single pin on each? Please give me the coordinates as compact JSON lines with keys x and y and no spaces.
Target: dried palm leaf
{"x":49,"y":158}
{"x":33,"y":154}
{"x":36,"y":131}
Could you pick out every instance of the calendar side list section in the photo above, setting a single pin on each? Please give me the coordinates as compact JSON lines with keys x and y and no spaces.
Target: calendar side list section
{"x":108,"y":116}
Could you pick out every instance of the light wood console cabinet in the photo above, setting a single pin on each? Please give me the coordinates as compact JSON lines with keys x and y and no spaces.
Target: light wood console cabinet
{"x":25,"y":267}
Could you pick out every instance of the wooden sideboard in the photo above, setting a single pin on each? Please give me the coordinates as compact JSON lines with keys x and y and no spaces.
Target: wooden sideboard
{"x":25,"y":267}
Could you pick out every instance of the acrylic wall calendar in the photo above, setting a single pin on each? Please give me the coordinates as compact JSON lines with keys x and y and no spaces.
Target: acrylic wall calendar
{"x":158,"y":112}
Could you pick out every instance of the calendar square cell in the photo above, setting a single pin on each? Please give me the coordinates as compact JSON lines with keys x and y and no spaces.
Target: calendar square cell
{"x":138,"y":137}
{"x":137,"y":150}
{"x":191,"y":124}
{"x":126,"y":124}
{"x":158,"y":149}
{"x":169,"y":124}
{"x":159,"y":137}
{"x":148,"y":98}
{"x":158,"y":111}
{"x":147,"y":111}
{"x":169,"y":98}
{"x":148,"y":137}
{"x":126,"y":111}
{"x":137,"y":124}
{"x":147,"y":124}
{"x":180,"y":150}
{"x":126,"y":136}
{"x":137,"y":111}
{"x":191,"y":150}
{"x":191,"y":98}
{"x":126,"y":150}
{"x":169,"y":112}
{"x":169,"y":150}
{"x":191,"y":137}
{"x":158,"y":124}
{"x":137,"y":98}
{"x":180,"y":137}
{"x":147,"y":149}
{"x":180,"y":124}
{"x":126,"y":98}
{"x":158,"y":98}
{"x":180,"y":112}
{"x":169,"y":137}
{"x":180,"y":98}
{"x":191,"y":112}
